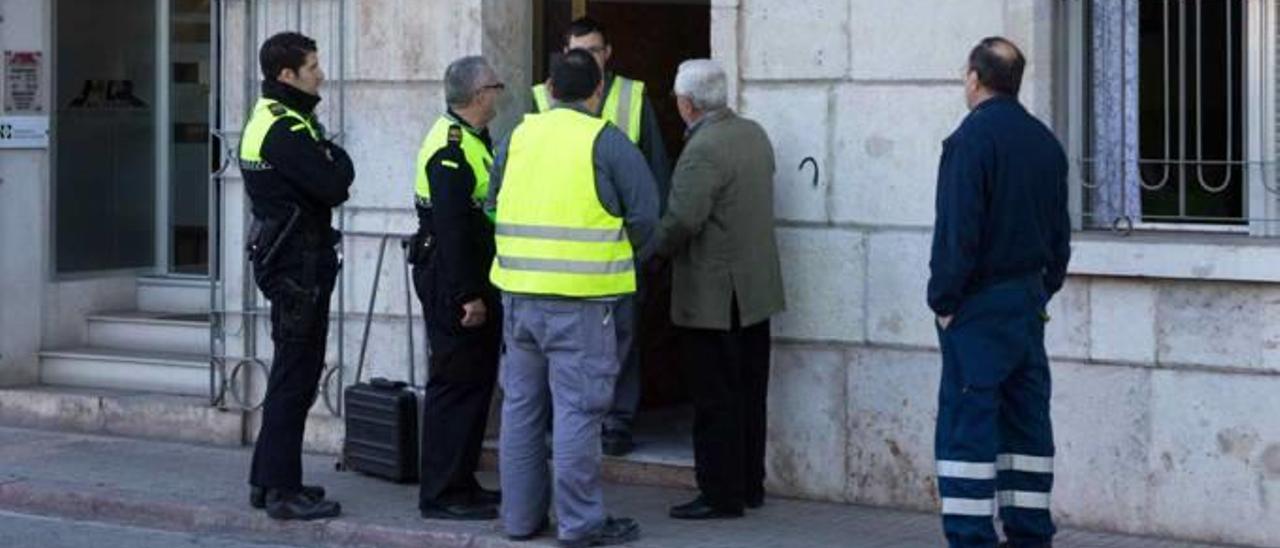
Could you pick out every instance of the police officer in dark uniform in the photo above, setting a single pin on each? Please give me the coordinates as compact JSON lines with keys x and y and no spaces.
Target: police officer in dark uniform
{"x":1001,"y":243}
{"x":294,"y":177}
{"x":452,"y":252}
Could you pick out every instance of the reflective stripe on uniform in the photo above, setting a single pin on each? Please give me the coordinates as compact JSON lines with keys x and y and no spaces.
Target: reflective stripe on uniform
{"x":561,"y":233}
{"x":265,"y":113}
{"x":541,"y":100}
{"x":474,"y":151}
{"x":968,"y":507}
{"x":565,"y":266}
{"x":1023,"y":499}
{"x":966,"y":470}
{"x":247,"y":165}
{"x":622,"y":115}
{"x":553,"y":236}
{"x":624,"y":106}
{"x":1024,"y":463}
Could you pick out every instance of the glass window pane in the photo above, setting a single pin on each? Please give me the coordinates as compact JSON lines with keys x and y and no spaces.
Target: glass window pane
{"x":105,"y":135}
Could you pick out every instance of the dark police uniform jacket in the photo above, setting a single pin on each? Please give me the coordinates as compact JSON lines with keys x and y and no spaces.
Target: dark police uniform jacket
{"x":309,"y":175}
{"x":456,"y":270}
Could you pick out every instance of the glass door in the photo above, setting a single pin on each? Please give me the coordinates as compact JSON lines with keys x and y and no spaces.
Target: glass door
{"x":190,"y":158}
{"x":104,"y":135}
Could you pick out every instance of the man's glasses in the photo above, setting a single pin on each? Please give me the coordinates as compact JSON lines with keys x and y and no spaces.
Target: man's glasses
{"x":497,"y":85}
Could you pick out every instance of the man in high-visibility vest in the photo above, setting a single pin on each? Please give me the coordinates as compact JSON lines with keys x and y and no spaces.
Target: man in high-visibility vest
{"x":294,"y":177}
{"x":451,"y":255}
{"x":624,"y":105}
{"x":574,"y":208}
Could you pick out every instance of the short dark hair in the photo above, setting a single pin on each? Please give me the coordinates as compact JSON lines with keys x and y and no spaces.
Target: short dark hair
{"x":583,"y":26}
{"x":574,"y":76}
{"x":286,"y":50}
{"x":999,"y":65}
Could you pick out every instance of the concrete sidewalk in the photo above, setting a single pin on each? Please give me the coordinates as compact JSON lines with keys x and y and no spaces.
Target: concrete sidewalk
{"x":201,"y":489}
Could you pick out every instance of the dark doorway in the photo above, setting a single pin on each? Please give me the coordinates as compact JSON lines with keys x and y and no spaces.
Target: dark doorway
{"x":650,"y":38}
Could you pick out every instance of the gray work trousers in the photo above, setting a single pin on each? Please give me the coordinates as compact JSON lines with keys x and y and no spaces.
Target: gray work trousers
{"x":561,"y":358}
{"x":626,"y":393}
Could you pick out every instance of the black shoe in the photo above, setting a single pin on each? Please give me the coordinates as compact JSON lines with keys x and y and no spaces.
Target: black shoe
{"x":700,"y":508}
{"x":460,"y":512}
{"x":480,"y":495}
{"x":616,"y":443}
{"x":258,"y":495}
{"x":755,"y":501}
{"x":543,"y":528}
{"x":614,"y":531}
{"x":1007,"y":544}
{"x":300,"y":507}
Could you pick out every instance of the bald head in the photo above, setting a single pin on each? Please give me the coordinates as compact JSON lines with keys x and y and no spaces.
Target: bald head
{"x":998,"y":64}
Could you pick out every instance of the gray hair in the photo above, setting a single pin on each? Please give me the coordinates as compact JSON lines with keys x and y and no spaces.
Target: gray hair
{"x":703,"y":82}
{"x":462,"y":79}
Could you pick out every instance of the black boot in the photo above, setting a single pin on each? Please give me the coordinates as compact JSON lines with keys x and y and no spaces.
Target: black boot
{"x":298,"y":506}
{"x":614,"y":531}
{"x":480,"y":495}
{"x":258,"y":495}
{"x":701,"y":508}
{"x":460,"y":511}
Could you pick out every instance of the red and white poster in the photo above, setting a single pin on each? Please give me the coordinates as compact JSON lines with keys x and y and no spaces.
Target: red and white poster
{"x":22,"y":83}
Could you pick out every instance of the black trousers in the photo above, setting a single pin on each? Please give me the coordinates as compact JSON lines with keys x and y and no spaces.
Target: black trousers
{"x":455,"y":411}
{"x":729,"y":381}
{"x":299,"y":328}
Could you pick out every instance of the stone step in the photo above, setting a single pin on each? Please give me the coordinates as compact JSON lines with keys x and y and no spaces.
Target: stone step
{"x":150,"y":331}
{"x":173,"y":293}
{"x":120,"y":413}
{"x":138,"y":370}
{"x":649,"y":464}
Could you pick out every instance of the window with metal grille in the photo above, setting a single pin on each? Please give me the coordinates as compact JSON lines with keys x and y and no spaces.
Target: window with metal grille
{"x":1170,"y":123}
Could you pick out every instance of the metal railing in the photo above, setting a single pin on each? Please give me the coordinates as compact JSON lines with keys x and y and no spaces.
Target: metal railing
{"x":1207,"y":174}
{"x":229,"y":370}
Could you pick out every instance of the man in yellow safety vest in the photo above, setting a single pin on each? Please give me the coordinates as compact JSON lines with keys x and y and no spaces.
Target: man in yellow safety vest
{"x":624,"y":105}
{"x":574,"y":208}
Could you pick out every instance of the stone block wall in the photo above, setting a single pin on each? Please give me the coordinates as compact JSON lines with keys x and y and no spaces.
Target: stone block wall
{"x":1164,"y":352}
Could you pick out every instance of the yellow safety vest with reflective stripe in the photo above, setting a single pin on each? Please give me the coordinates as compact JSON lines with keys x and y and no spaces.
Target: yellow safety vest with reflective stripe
{"x":265,"y":114}
{"x":553,"y":236}
{"x":623,"y":106}
{"x":478,"y":156}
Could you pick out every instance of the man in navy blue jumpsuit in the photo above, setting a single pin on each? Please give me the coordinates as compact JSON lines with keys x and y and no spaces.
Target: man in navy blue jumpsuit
{"x":1001,"y":243}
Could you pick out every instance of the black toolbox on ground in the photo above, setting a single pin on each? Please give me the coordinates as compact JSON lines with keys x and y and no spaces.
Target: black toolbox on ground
{"x":382,"y":430}
{"x":382,"y":415}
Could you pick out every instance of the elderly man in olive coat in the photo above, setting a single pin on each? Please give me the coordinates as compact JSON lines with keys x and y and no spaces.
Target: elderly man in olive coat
{"x":727,"y":282}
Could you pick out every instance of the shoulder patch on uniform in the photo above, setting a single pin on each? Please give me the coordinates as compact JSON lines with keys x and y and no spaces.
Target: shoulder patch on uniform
{"x":277,"y":109}
{"x":455,"y":134}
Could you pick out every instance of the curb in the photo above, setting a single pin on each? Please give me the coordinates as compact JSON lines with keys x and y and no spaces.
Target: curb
{"x":79,"y":502}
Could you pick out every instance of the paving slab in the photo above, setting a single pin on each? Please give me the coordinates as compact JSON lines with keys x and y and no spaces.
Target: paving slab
{"x":201,"y":490}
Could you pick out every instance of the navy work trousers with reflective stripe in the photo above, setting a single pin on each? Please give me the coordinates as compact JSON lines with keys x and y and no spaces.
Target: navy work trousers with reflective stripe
{"x":994,"y":438}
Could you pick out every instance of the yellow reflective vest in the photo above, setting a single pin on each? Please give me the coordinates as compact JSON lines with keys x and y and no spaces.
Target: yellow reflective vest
{"x":623,"y":106}
{"x":554,"y":238}
{"x":265,"y":113}
{"x":478,"y":157}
